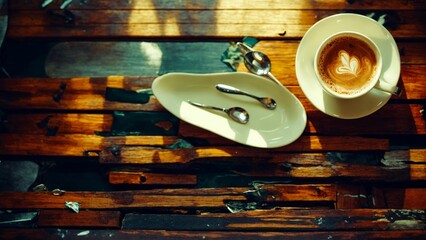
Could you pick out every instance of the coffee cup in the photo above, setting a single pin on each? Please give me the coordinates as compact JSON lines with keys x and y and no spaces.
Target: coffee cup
{"x":349,"y":65}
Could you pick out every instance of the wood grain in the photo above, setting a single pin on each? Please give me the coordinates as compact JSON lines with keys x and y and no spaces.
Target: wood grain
{"x":87,"y":218}
{"x":227,"y":5}
{"x":165,"y":198}
{"x":146,"y":178}
{"x":52,"y":233}
{"x":324,"y":219}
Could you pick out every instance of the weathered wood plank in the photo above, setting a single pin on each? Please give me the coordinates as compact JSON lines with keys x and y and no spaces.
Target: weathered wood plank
{"x":418,"y":155}
{"x":76,"y":93}
{"x":407,"y":119}
{"x":135,"y":58}
{"x":227,"y":5}
{"x":88,"y":93}
{"x":81,"y":144}
{"x":62,"y":123}
{"x":146,"y":178}
{"x":143,"y":155}
{"x":262,"y":163}
{"x":168,"y":198}
{"x":87,"y":218}
{"x":55,"y":233}
{"x":324,"y":219}
{"x":352,"y":196}
{"x":72,"y":59}
{"x":352,"y":171}
{"x":188,"y":23}
{"x":83,"y":84}
{"x":400,"y":157}
{"x":408,"y":198}
{"x":71,"y":144}
{"x":216,"y":17}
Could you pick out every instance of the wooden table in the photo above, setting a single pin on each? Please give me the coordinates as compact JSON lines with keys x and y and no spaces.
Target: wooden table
{"x":342,"y":179}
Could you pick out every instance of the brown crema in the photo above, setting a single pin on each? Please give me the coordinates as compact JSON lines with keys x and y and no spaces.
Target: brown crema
{"x":347,"y":65}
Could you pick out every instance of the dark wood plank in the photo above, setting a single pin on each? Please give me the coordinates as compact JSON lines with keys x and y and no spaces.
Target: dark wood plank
{"x":87,"y":218}
{"x":324,"y":219}
{"x":55,"y":233}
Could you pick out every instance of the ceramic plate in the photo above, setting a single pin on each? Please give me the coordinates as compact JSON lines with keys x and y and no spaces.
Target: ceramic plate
{"x":265,"y":129}
{"x":346,"y":108}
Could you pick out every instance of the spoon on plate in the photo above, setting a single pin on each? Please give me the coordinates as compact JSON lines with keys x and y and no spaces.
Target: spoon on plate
{"x":267,"y":102}
{"x":257,"y":62}
{"x":237,"y":114}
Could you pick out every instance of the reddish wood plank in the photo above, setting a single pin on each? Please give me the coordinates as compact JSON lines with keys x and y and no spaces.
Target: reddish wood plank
{"x":78,"y":94}
{"x":409,"y":198}
{"x":87,"y":218}
{"x":143,"y":155}
{"x":50,"y":234}
{"x":406,"y":120}
{"x":71,"y":144}
{"x":187,"y":23}
{"x":63,"y":123}
{"x":144,"y":178}
{"x":348,"y":172}
{"x":227,"y":5}
{"x":166,"y":198}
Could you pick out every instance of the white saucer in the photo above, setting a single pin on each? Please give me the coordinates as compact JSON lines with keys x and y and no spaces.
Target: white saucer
{"x":346,"y":108}
{"x":265,"y":129}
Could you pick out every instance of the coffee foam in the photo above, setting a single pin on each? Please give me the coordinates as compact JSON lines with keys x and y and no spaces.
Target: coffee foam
{"x":347,"y":65}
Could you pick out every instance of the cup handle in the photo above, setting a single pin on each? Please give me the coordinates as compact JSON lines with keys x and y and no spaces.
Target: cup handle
{"x":384,"y":86}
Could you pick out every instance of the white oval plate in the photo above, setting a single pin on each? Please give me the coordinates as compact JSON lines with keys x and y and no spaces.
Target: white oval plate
{"x":265,"y":129}
{"x":346,"y":108}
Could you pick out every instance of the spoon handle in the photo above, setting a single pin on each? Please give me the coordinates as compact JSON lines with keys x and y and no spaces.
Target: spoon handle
{"x":232,"y":90}
{"x":273,"y":78}
{"x":207,"y":106}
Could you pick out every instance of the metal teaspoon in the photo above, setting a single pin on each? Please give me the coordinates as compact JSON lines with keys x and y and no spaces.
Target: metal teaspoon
{"x":257,"y":62}
{"x":267,"y":102}
{"x":237,"y":114}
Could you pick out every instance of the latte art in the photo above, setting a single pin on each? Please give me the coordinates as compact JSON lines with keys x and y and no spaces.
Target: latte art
{"x":347,"y":65}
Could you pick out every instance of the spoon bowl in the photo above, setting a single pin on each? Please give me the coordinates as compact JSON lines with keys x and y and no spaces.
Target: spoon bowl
{"x":237,"y":114}
{"x":257,"y":62}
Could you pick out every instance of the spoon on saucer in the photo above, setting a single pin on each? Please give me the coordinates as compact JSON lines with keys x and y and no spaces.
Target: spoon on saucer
{"x":257,"y":62}
{"x":267,"y":102}
{"x":237,"y":114}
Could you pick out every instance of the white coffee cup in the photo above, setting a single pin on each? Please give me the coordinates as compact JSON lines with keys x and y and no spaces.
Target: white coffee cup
{"x":349,"y":64}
